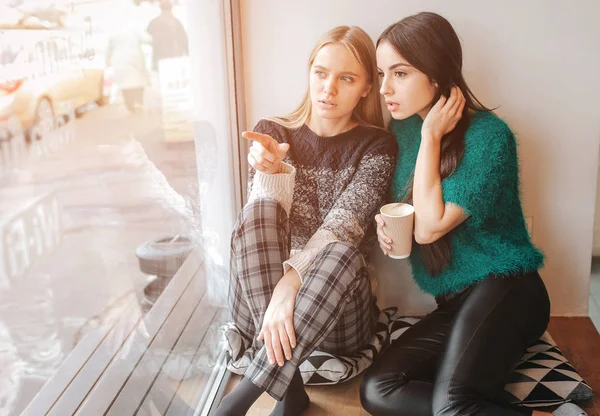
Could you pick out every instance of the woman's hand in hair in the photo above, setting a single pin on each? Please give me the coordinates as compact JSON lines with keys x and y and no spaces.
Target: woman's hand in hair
{"x":385,"y":242}
{"x":444,"y":115}
{"x":266,"y":153}
{"x":277,"y":330}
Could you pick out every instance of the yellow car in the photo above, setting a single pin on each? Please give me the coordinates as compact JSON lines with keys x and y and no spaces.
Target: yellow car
{"x":45,"y":75}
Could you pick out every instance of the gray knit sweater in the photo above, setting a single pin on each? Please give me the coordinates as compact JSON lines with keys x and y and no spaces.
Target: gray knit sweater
{"x":331,"y":187}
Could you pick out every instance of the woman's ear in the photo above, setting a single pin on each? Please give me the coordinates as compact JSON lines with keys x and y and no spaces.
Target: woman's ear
{"x":367,"y":91}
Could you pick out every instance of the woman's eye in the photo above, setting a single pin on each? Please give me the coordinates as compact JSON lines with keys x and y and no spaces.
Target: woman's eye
{"x":380,"y":74}
{"x":400,"y":74}
{"x":320,"y":74}
{"x":348,"y":79}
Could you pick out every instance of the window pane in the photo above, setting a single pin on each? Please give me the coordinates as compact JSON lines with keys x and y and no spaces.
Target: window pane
{"x":116,"y":206}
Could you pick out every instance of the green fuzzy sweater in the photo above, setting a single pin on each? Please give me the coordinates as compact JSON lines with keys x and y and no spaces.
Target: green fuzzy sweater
{"x":494,"y":239}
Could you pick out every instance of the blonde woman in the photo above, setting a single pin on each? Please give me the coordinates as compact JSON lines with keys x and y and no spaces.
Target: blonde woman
{"x":298,"y":274}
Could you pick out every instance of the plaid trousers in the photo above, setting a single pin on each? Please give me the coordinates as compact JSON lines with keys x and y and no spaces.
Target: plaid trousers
{"x":334,"y":312}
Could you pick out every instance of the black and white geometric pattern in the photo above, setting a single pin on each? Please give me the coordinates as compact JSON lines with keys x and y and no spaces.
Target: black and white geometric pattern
{"x":325,"y":368}
{"x":322,"y":367}
{"x":543,"y":377}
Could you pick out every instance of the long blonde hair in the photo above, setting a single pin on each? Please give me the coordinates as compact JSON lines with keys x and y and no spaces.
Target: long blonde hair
{"x":358,"y":42}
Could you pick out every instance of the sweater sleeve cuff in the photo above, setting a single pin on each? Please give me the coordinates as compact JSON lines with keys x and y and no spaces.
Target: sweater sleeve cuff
{"x":276,"y":186}
{"x":299,"y":263}
{"x":302,"y":260}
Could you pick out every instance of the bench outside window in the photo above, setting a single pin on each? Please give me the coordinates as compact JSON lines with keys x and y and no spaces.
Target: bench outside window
{"x":162,"y":363}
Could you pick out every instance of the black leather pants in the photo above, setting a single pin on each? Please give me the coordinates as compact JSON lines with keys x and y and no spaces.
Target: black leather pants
{"x":457,"y":359}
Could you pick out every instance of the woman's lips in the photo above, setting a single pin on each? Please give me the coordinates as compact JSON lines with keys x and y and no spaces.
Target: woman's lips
{"x":327,"y":104}
{"x":392,"y":106}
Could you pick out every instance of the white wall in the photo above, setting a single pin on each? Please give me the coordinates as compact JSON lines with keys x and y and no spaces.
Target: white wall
{"x":596,"y":238}
{"x":538,"y":60}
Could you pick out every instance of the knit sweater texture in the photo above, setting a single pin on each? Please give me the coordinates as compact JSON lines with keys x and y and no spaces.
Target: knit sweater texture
{"x":331,"y":187}
{"x":494,"y":240}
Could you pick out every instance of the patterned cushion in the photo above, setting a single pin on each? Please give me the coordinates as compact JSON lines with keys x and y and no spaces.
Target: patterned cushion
{"x":543,"y":377}
{"x":325,"y":368}
{"x":320,"y":367}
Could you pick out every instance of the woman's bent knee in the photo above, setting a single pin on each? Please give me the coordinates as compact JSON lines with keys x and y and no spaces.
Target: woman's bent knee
{"x":457,"y":400}
{"x":391,"y":393}
{"x":345,"y":253}
{"x":259,"y":214}
{"x":371,"y":394}
{"x":263,"y":208}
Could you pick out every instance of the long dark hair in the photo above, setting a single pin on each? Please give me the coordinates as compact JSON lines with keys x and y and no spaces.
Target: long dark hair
{"x":430,"y":44}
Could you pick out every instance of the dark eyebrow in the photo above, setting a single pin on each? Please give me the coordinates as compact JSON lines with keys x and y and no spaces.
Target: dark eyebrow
{"x":399,"y":64}
{"x":343,"y":73}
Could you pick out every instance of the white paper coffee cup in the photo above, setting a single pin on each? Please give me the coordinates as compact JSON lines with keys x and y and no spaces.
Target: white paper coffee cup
{"x":399,"y":221}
